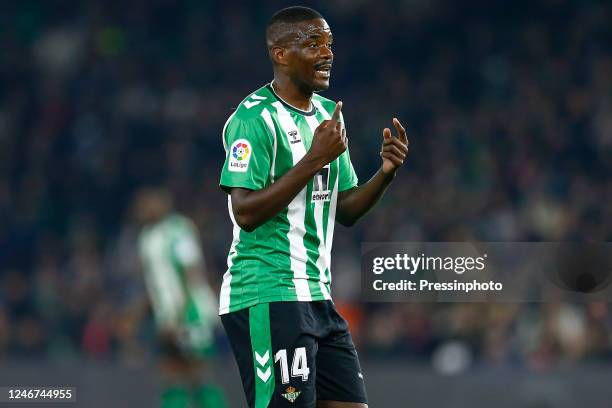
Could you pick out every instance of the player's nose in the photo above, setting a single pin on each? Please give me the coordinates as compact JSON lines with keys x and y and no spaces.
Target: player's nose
{"x":327,"y":53}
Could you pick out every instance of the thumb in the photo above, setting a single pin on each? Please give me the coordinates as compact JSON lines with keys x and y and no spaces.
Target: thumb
{"x":387,"y":133}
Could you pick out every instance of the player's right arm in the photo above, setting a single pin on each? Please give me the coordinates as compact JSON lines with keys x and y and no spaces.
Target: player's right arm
{"x":252,"y":207}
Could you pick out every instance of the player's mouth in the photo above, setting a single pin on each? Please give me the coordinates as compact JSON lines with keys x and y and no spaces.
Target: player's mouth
{"x":323,"y":69}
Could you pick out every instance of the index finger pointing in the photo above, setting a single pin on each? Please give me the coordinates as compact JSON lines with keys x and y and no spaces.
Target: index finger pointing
{"x":400,"y":130}
{"x":336,"y":114}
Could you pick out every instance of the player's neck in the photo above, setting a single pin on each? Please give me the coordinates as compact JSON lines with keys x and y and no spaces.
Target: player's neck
{"x":291,"y":94}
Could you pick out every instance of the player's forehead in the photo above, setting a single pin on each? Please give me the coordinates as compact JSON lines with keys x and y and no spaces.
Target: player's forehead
{"x":310,"y":29}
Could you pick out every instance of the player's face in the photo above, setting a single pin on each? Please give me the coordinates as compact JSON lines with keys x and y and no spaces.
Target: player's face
{"x":150,"y":206}
{"x":311,"y":56}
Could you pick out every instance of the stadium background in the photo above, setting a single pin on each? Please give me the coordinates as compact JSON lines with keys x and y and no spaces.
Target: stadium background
{"x":509,"y":112}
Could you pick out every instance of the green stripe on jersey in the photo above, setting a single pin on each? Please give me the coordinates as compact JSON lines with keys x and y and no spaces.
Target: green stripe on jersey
{"x":263,"y":360}
{"x":288,"y":257}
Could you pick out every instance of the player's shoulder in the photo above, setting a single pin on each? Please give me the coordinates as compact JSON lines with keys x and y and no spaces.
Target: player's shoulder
{"x":178,"y":223}
{"x":251,"y":107}
{"x":247,"y":118}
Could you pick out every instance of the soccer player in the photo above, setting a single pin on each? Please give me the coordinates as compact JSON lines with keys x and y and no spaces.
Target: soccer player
{"x":182,"y":302}
{"x":289,"y":177}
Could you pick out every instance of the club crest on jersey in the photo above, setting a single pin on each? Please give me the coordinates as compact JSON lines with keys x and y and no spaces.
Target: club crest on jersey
{"x":240,"y":155}
{"x":320,"y":186}
{"x":293,"y":134}
{"x":291,"y":394}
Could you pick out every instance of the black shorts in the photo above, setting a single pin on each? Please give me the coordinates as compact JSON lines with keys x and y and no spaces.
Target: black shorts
{"x":291,"y":354}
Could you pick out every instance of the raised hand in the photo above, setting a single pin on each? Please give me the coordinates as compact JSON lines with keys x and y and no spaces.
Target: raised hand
{"x":329,"y":140}
{"x":394,"y":149}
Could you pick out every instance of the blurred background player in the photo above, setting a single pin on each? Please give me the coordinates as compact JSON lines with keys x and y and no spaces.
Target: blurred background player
{"x":183,"y":304}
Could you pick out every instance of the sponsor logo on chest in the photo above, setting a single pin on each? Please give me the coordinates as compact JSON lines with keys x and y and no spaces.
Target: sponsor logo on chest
{"x":294,"y":137}
{"x":320,"y":186}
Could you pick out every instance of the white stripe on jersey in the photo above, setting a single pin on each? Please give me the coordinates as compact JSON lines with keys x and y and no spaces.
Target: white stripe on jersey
{"x":268,"y":119}
{"x":322,"y":262}
{"x":331,"y":220}
{"x":224,"y":297}
{"x":296,"y":213}
{"x":161,"y":280}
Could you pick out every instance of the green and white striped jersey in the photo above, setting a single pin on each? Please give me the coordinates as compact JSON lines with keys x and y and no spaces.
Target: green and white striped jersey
{"x":167,"y":248}
{"x":288,"y":257}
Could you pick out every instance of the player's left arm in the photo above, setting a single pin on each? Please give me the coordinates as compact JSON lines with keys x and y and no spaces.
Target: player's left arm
{"x":356,"y":202}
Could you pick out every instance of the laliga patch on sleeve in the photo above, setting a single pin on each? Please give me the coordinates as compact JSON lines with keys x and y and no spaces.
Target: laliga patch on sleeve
{"x":240,"y":154}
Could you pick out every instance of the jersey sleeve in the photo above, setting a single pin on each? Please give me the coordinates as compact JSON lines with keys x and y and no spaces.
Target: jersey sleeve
{"x":248,"y":154}
{"x":347,"y":176}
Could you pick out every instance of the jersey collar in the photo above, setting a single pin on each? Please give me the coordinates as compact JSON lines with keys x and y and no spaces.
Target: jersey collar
{"x":312,"y":111}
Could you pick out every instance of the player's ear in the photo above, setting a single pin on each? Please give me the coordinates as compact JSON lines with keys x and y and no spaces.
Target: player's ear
{"x":278,"y":55}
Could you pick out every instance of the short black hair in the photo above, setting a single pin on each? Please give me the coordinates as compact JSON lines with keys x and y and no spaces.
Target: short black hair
{"x":294,"y":14}
{"x":279,"y":22}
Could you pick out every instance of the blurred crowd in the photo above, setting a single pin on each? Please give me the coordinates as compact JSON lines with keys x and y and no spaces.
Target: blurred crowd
{"x":509,"y":112}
